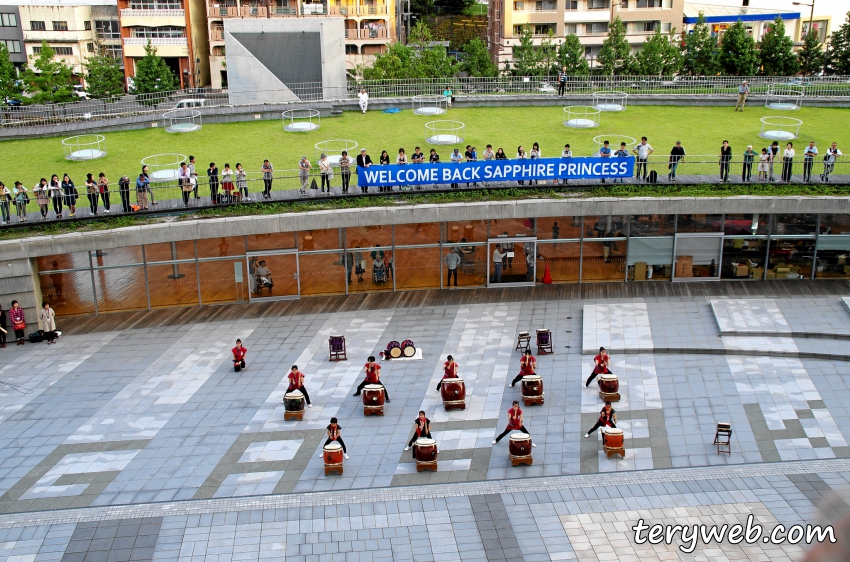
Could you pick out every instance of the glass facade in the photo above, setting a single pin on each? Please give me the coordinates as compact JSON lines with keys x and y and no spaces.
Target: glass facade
{"x":338,"y":261}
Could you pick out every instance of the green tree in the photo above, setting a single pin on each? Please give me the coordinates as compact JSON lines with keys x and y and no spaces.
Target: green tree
{"x":738,"y":55}
{"x":839,"y":50}
{"x":776,"y":51}
{"x":452,"y":7}
{"x":153,"y":76}
{"x":660,"y":55}
{"x":429,"y":61}
{"x":395,"y":64}
{"x":105,"y":78}
{"x":701,"y":55}
{"x":526,"y":56}
{"x":615,"y":55}
{"x":549,"y":55}
{"x":571,"y":55}
{"x":49,"y":79}
{"x":477,"y":61}
{"x":810,"y":55}
{"x":10,"y":85}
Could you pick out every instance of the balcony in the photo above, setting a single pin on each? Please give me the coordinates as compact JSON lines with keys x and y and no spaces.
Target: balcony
{"x":152,"y":18}
{"x":535,"y":7}
{"x":223,"y":10}
{"x":598,"y":5}
{"x":216,"y":34}
{"x":313,"y":9}
{"x":165,"y":46}
{"x":373,"y":10}
{"x":343,"y":10}
{"x":276,"y":11}
{"x":254,"y":11}
{"x":367,"y":34}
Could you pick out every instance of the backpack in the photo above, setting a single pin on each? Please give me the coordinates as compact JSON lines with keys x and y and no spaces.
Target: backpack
{"x":653,"y":177}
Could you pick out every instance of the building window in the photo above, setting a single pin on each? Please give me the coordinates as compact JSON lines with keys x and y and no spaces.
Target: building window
{"x":156,"y":5}
{"x":36,"y":50}
{"x":596,"y":28}
{"x":648,"y":3}
{"x":158,"y":32}
{"x":8,"y":20}
{"x":107,"y":29}
{"x":546,"y":6}
{"x":60,"y":26}
{"x":666,"y":27}
{"x":37,"y":26}
{"x":90,"y":47}
{"x":536,"y":29}
{"x":571,"y":29}
{"x":647,"y":26}
{"x":64,"y":51}
{"x":819,"y":27}
{"x":571,"y":5}
{"x":87,"y":25}
{"x":597,"y":4}
{"x":519,"y":6}
{"x":113,"y":51}
{"x":13,"y":46}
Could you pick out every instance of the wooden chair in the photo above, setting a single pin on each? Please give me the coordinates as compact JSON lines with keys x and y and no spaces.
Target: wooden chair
{"x":723,"y":438}
{"x":337,"y":348}
{"x":523,"y":341}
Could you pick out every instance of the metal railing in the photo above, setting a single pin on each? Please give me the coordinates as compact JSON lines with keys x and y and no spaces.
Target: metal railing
{"x":163,"y":13}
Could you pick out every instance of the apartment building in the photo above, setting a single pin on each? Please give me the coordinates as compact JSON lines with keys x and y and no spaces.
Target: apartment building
{"x":826,"y":15}
{"x":178,"y":30}
{"x":757,"y":20}
{"x":369,"y":26}
{"x":588,"y":19}
{"x":70,"y":28}
{"x":12,"y":35}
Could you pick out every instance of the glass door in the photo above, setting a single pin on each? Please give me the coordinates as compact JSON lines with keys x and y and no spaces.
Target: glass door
{"x":273,"y":275}
{"x":511,"y":261}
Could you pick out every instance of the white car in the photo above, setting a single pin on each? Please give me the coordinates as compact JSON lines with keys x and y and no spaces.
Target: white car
{"x":190,"y":103}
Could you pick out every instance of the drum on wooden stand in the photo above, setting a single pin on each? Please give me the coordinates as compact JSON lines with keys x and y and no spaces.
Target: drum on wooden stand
{"x":407,"y":348}
{"x":532,"y":389}
{"x":544,"y":342}
{"x":373,"y":400}
{"x":612,"y":442}
{"x":453,"y":392}
{"x":393,"y":350}
{"x":336,"y":346}
{"x":519,"y":449}
{"x":333,"y":457}
{"x":425,"y":453}
{"x":294,"y":404}
{"x":609,"y":387}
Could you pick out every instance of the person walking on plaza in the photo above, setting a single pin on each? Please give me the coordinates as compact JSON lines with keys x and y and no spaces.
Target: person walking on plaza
{"x":363,"y":100}
{"x":193,"y":177}
{"x":450,"y":370}
{"x":832,"y":153}
{"x":601,"y":366}
{"x":47,"y":323}
{"x":268,"y":176}
{"x":452,"y":260}
{"x":562,"y":81}
{"x":345,"y":170}
{"x":749,"y":157}
{"x":764,"y":164}
{"x":334,"y":434}
{"x":242,"y":183}
{"x":124,"y":193}
{"x":239,"y":352}
{"x":498,"y":256}
{"x":421,"y":428}
{"x":527,"y":366}
{"x":677,"y":156}
{"x":55,"y":191}
{"x":71,"y":195}
{"x":212,"y":177}
{"x":774,"y":155}
{"x":788,"y":162}
{"x":22,"y":199}
{"x":304,"y":173}
{"x":809,"y":161}
{"x":183,"y":178}
{"x":363,"y":161}
{"x":642,"y":150}
{"x":325,"y":171}
{"x":373,"y":376}
{"x":18,"y":321}
{"x":42,"y":197}
{"x":607,"y":418}
{"x":514,"y":423}
{"x":296,"y":382}
{"x":142,"y":192}
{"x":743,"y":92}
{"x":103,"y":188}
{"x":725,"y":161}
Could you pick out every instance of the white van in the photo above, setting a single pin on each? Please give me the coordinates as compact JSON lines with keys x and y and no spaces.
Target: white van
{"x":190,"y":103}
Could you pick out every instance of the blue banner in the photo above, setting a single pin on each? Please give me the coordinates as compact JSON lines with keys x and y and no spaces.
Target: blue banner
{"x":497,"y":171}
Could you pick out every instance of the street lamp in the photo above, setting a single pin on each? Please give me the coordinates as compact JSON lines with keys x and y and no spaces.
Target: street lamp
{"x":811,"y":12}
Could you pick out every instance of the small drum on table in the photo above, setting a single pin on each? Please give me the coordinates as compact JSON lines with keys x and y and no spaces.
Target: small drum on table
{"x":393,"y":350}
{"x":294,"y":404}
{"x":407,"y":348}
{"x":519,"y":449}
{"x":532,"y":389}
{"x":373,"y":400}
{"x":425,"y":453}
{"x":544,"y":342}
{"x":609,"y":387}
{"x":453,"y":392}
{"x":612,"y":442}
{"x":333,"y":457}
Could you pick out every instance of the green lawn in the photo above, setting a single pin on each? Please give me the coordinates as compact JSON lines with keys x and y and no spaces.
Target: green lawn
{"x":701,"y":130}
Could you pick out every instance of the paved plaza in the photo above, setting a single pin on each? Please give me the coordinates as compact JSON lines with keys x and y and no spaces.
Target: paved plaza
{"x":143,"y":443}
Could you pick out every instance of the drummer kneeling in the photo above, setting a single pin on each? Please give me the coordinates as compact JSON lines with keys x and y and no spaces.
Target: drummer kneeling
{"x":373,"y":376}
{"x":607,"y":418}
{"x":514,"y":423}
{"x":422,"y":425}
{"x":450,"y":369}
{"x":334,"y":431}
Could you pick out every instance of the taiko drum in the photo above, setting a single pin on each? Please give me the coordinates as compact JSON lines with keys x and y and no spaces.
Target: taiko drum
{"x":520,"y":445}
{"x":425,"y":449}
{"x":293,"y":401}
{"x":453,"y":390}
{"x":612,"y":438}
{"x":609,"y":383}
{"x":373,"y":395}
{"x":333,"y":453}
{"x":532,"y":385}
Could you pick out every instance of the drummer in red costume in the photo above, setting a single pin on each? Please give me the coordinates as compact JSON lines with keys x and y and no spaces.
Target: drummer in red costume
{"x":296,"y":382}
{"x":607,"y":418}
{"x":449,"y":371}
{"x":239,"y":356}
{"x":373,"y":376}
{"x":601,"y":364}
{"x":334,"y":434}
{"x":527,"y":366}
{"x":514,"y":423}
{"x":422,"y":425}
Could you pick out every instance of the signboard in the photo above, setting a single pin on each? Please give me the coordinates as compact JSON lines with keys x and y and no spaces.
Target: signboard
{"x":497,"y":171}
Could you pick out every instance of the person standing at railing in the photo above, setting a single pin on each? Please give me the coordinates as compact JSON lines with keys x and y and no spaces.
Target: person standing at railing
{"x":725,"y":161}
{"x":562,"y":81}
{"x":325,"y":171}
{"x":621,"y":152}
{"x":643,"y":150}
{"x":212,"y":176}
{"x":42,"y":197}
{"x":363,"y":161}
{"x":418,"y":157}
{"x":764,"y":164}
{"x":743,"y":92}
{"x":5,"y":203}
{"x":184,"y":179}
{"x":788,"y":162}
{"x":21,"y":200}
{"x":345,"y":174}
{"x":124,"y":193}
{"x":150,"y":189}
{"x":774,"y":153}
{"x":142,"y":191}
{"x":832,"y":153}
{"x":363,"y":100}
{"x":749,"y":157}
{"x":71,"y":195}
{"x":677,"y":156}
{"x":304,"y":173}
{"x":92,"y":193}
{"x":55,"y":191}
{"x":227,"y":183}
{"x":268,"y":176}
{"x":809,"y":161}
{"x":242,"y":182}
{"x":384,"y":160}
{"x":605,"y":152}
{"x":193,"y":176}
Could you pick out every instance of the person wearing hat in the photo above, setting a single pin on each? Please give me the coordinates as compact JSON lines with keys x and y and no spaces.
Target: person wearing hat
{"x":326,"y":171}
{"x":304,"y":173}
{"x":743,"y":92}
{"x":363,"y":161}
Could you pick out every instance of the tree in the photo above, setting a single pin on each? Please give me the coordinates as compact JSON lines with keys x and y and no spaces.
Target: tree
{"x":153,"y":75}
{"x":395,"y":64}
{"x":701,"y":56}
{"x":50,"y":78}
{"x":660,"y":55}
{"x":571,"y":56}
{"x":839,"y":50}
{"x":452,"y":7}
{"x":738,"y":55}
{"x":548,"y":55}
{"x":526,"y":56}
{"x":810,"y":55}
{"x":416,"y":60}
{"x":477,"y":61}
{"x":105,"y":79}
{"x":10,"y":85}
{"x":615,"y":55}
{"x":776,"y":51}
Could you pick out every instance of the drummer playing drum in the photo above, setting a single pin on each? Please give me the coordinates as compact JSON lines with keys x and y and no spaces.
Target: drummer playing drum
{"x":334,"y":431}
{"x":607,"y":418}
{"x":373,"y":376}
{"x":527,"y":366}
{"x":514,"y":423}
{"x":296,"y":382}
{"x":601,"y":364}
{"x":422,"y":425}
{"x":239,"y":356}
{"x":450,"y":369}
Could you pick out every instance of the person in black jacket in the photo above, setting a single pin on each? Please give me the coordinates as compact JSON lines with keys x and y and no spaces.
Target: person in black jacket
{"x":677,"y":155}
{"x":725,"y":161}
{"x":363,"y":161}
{"x":212,"y":174}
{"x":124,"y":192}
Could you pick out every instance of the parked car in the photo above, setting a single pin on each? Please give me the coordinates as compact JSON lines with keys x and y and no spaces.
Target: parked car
{"x":190,"y":103}
{"x":80,"y":92}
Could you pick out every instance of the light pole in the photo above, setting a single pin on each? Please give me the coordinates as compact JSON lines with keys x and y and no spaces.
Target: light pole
{"x":811,"y":14}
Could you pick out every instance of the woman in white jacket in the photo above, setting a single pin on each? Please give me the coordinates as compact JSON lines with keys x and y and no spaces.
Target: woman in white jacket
{"x":47,"y":323}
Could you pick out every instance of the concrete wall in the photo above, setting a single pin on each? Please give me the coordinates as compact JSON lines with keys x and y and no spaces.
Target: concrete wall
{"x":18,"y":282}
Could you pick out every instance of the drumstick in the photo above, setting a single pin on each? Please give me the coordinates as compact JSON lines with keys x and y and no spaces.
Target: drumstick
{"x":4,"y":331}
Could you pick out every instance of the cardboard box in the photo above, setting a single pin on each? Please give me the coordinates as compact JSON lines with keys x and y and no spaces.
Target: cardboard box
{"x":757,"y":272}
{"x":741,"y":270}
{"x":684,"y":266}
{"x":771,"y":274}
{"x":640,"y":271}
